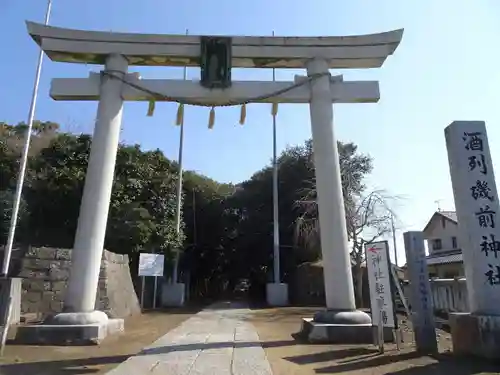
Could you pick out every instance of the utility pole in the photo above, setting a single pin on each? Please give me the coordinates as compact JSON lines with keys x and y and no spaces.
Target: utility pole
{"x":24,"y":157}
{"x":394,"y":240}
{"x":175,"y":275}
{"x":276,"y":225}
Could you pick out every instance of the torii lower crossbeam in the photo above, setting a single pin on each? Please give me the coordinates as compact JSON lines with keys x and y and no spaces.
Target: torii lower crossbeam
{"x":84,"y":89}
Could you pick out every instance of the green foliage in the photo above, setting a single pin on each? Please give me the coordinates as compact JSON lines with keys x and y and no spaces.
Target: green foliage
{"x":142,"y":210}
{"x":226,"y":231}
{"x":296,"y":184}
{"x":6,"y":204}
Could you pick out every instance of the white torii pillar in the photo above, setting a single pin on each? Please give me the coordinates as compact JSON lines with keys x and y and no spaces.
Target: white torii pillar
{"x":339,"y":288}
{"x":80,"y":297}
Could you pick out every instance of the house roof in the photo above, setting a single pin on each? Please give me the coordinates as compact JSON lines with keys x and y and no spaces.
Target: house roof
{"x":449,"y":215}
{"x":454,"y":256}
{"x":452,"y":215}
{"x":319,"y":263}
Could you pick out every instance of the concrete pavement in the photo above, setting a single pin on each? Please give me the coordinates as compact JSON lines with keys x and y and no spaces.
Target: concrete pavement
{"x":216,"y":341}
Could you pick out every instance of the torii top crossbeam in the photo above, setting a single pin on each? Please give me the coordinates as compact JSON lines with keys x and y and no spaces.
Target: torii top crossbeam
{"x":92,"y":47}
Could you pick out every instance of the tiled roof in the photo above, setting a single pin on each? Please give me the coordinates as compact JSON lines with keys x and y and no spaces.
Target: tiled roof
{"x":452,"y":215}
{"x":451,"y":257}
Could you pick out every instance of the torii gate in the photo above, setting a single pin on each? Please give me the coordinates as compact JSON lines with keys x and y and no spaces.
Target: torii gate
{"x":119,"y":50}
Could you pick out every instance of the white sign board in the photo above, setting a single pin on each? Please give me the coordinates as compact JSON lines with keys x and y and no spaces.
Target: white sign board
{"x":379,"y":281}
{"x":151,"y":264}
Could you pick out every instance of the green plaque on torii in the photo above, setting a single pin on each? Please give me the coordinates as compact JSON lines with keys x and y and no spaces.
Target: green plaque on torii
{"x":215,"y":61}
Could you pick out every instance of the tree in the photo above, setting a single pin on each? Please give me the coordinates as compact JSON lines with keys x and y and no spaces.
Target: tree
{"x":226,"y":230}
{"x":53,"y":191}
{"x":370,"y":218}
{"x":6,"y":204}
{"x":42,"y":134}
{"x":353,"y":168}
{"x":211,"y":229}
{"x":252,"y":203}
{"x":12,"y":141}
{"x":143,"y":204}
{"x":142,"y":210}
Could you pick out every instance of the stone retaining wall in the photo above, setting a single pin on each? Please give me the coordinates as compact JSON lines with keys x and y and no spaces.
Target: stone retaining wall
{"x":308,"y":286}
{"x":45,"y":273}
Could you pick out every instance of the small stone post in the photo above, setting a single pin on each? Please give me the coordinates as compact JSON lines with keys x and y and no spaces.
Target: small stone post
{"x":422,"y":316}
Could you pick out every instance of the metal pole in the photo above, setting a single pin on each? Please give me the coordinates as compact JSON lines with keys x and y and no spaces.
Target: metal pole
{"x":24,"y":157}
{"x":155,"y":291}
{"x":380,"y":330}
{"x":179,"y":194}
{"x":276,"y":229}
{"x":6,"y":326}
{"x":194,"y":218}
{"x":394,"y":241}
{"x":143,"y":288}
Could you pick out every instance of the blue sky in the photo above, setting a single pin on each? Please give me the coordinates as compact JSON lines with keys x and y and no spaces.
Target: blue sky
{"x":445,"y":69}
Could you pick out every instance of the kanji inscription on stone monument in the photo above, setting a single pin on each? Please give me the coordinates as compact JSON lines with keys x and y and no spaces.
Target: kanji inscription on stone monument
{"x":476,"y":201}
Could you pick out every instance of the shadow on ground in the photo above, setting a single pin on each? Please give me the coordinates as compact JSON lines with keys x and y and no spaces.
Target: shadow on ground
{"x":84,"y":365}
{"x":371,"y":359}
{"x":347,"y":360}
{"x":140,"y":331}
{"x":67,"y":367}
{"x":194,"y":309}
{"x":330,"y":355}
{"x":215,"y":345}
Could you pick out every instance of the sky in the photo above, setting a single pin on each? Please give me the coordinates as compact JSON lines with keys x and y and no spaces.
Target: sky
{"x":445,"y":69}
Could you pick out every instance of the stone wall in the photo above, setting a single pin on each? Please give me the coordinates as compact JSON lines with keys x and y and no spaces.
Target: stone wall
{"x":308,"y":286}
{"x":45,"y":273}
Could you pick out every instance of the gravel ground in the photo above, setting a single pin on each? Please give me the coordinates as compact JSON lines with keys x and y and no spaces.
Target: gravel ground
{"x":289,"y":357}
{"x":140,"y":331}
{"x":274,"y":326}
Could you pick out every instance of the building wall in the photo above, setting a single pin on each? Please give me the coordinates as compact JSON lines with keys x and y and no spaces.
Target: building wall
{"x":446,"y":271}
{"x":444,"y":230}
{"x":45,"y":273}
{"x":442,"y":271}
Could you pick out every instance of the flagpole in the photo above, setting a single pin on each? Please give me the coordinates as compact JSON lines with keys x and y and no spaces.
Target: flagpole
{"x":24,"y":157}
{"x":276,"y":229}
{"x":179,"y":192}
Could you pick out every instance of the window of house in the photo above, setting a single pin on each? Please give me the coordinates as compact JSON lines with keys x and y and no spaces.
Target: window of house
{"x":443,"y":222}
{"x":450,"y":274}
{"x":454,"y":242}
{"x":437,"y":244}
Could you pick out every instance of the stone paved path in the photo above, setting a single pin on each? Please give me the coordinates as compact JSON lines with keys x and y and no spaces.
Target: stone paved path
{"x":216,"y":341}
